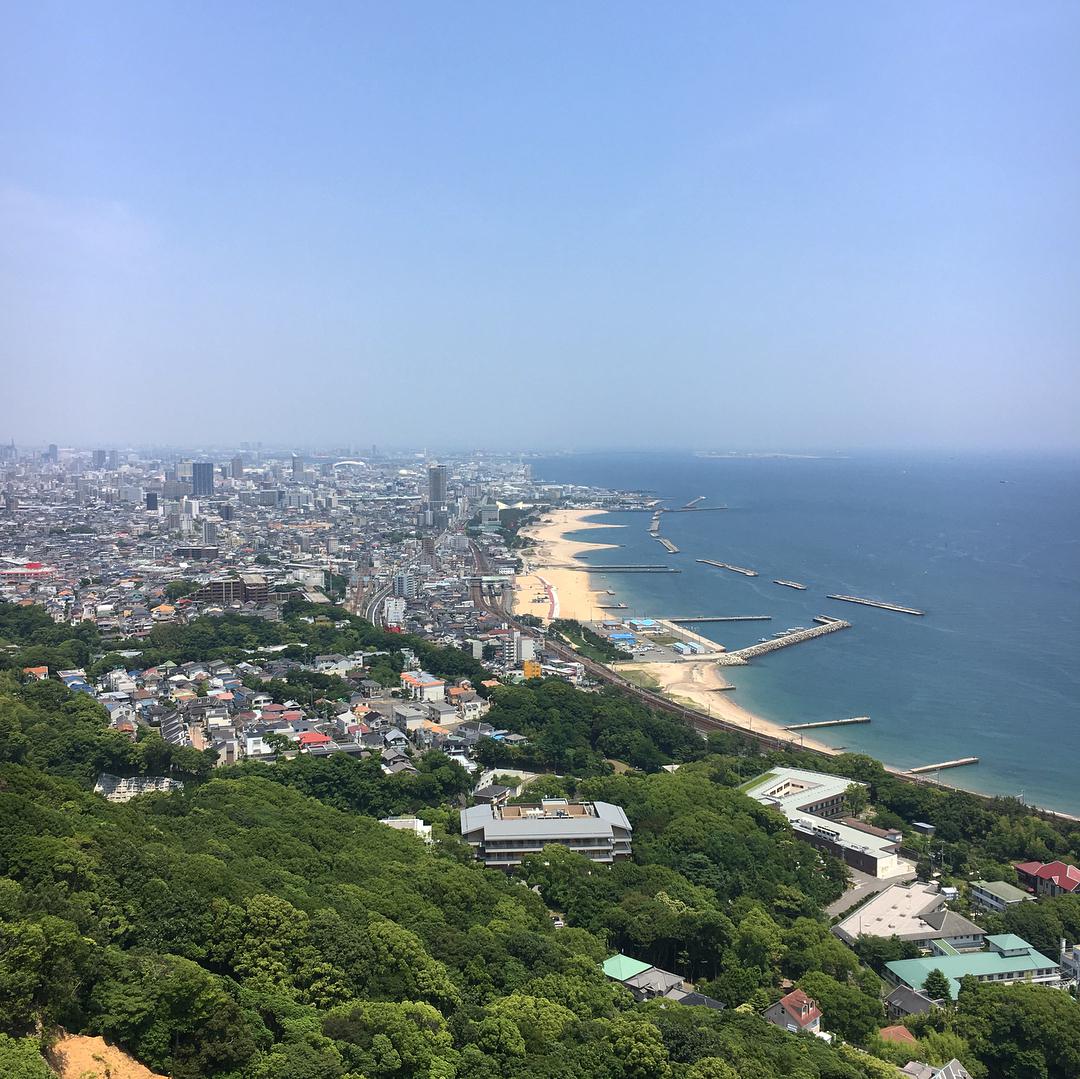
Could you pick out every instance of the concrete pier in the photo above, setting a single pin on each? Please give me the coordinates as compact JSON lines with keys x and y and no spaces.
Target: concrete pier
{"x":960,"y":762}
{"x":727,"y":565}
{"x":827,"y":723}
{"x":792,"y":584}
{"x":876,"y":603}
{"x":740,"y":657}
{"x":625,"y":569}
{"x":726,"y":618}
{"x":693,"y":502}
{"x":668,"y":545}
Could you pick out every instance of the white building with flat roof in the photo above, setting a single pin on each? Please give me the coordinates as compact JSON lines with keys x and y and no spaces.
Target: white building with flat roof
{"x":913,"y":912}
{"x":502,"y":835}
{"x":813,"y":802}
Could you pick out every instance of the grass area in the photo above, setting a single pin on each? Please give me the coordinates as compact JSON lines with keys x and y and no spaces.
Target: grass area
{"x":756,"y":780}
{"x":640,"y":678}
{"x":686,"y":702}
{"x":664,"y":638}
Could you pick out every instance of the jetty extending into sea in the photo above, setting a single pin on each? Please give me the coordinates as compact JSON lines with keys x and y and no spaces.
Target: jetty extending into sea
{"x":725,"y":618}
{"x":727,"y":565}
{"x":960,"y":762}
{"x":878,"y":603}
{"x":741,"y":656}
{"x":827,"y":723}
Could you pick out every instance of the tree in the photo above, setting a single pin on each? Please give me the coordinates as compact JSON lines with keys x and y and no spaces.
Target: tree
{"x":20,"y":1058}
{"x":937,"y":986}
{"x":856,"y":799}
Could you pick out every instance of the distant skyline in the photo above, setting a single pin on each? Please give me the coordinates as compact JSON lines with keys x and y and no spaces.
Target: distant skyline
{"x":556,"y":226}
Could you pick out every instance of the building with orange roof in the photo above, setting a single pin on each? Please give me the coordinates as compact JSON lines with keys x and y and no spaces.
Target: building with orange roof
{"x":421,"y":686}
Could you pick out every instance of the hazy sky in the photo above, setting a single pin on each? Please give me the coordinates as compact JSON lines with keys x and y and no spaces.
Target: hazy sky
{"x":544,"y":224}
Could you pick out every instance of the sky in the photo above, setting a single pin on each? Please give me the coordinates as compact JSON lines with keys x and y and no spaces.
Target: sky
{"x":550,"y":225}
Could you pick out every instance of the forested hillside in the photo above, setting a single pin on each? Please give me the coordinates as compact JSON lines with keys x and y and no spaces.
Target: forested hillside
{"x":263,"y":925}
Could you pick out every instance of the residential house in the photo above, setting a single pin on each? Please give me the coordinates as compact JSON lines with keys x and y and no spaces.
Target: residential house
{"x":914,"y":1069}
{"x":1051,"y":878}
{"x":796,"y":1013}
{"x":997,"y":895}
{"x":904,"y":1001}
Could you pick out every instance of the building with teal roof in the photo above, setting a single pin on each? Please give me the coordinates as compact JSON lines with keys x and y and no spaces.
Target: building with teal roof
{"x":1009,"y":959}
{"x":619,"y":967}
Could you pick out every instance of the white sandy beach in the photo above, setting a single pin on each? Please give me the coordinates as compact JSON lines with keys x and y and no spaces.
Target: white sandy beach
{"x":700,"y":684}
{"x":553,"y":589}
{"x":550,"y":569}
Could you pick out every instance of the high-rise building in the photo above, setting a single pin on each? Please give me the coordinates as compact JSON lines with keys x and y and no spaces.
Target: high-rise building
{"x":151,"y":501}
{"x":54,"y":454}
{"x":238,"y":467}
{"x":437,"y":487}
{"x":202,"y":479}
{"x":99,"y":458}
{"x":297,"y":466}
{"x":407,"y":584}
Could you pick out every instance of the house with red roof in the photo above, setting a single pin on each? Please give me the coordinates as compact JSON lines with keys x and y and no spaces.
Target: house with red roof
{"x":796,"y":1013}
{"x":309,"y":739}
{"x":1049,"y":878}
{"x":899,"y":1035}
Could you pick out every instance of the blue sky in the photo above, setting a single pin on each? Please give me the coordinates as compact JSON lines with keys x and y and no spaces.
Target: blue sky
{"x":717,"y":225}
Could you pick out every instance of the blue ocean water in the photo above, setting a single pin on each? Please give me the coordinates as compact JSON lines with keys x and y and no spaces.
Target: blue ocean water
{"x":988,"y":547}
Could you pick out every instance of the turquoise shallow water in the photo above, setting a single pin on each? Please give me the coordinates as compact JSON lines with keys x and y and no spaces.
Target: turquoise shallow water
{"x":988,"y":547}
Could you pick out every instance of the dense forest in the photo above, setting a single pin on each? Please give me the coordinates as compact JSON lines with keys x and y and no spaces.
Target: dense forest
{"x":261,"y":924}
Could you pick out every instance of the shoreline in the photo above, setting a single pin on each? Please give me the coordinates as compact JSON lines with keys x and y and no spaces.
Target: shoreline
{"x":549,"y":569}
{"x":567,"y":593}
{"x":697,"y":683}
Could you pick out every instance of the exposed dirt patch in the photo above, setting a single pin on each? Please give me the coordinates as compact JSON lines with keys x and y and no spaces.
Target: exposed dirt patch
{"x":78,"y":1056}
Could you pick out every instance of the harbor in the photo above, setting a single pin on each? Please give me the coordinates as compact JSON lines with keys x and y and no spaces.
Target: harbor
{"x":877,"y":603}
{"x":727,"y":565}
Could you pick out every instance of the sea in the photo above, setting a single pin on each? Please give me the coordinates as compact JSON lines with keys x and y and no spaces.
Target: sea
{"x":987,"y":546}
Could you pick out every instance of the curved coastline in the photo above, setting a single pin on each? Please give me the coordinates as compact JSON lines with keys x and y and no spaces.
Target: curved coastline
{"x":568,"y":592}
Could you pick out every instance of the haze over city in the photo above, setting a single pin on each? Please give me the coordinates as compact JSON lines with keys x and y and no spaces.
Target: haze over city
{"x":562,"y":225}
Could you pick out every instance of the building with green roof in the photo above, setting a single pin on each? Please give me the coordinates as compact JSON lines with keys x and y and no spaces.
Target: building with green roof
{"x":1008,"y":959}
{"x":997,"y":895}
{"x":619,"y":967}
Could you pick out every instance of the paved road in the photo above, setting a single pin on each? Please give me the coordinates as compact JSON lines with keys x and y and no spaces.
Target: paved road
{"x":863,"y":887}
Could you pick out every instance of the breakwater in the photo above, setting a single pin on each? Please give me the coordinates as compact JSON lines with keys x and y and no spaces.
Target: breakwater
{"x":879,"y":604}
{"x":826,"y":723}
{"x":741,"y":656}
{"x":726,"y":618}
{"x":727,"y":565}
